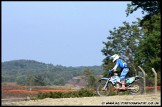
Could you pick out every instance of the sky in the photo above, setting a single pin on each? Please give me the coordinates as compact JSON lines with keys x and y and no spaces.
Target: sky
{"x":60,"y":33}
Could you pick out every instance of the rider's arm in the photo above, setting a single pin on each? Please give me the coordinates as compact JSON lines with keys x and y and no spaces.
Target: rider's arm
{"x":115,"y":67}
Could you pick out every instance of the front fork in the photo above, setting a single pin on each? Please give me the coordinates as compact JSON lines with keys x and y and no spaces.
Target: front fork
{"x":106,"y":84}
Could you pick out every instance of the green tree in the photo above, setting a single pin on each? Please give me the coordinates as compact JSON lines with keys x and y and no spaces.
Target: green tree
{"x":89,"y":77}
{"x":39,"y":80}
{"x":149,"y":7}
{"x":30,"y":80}
{"x":21,"y":80}
{"x":59,"y":81}
{"x":124,"y":41}
{"x":149,"y":49}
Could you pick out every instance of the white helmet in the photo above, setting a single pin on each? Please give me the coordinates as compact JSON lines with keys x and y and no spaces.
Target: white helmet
{"x":115,"y":57}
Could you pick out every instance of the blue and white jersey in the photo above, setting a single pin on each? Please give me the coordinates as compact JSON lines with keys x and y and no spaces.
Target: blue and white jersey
{"x":120,"y":63}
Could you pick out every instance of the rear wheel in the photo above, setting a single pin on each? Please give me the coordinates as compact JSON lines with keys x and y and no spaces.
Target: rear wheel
{"x":138,"y":88}
{"x":100,"y":87}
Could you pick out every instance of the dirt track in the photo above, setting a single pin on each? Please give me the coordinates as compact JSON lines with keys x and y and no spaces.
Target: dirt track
{"x":118,"y":100}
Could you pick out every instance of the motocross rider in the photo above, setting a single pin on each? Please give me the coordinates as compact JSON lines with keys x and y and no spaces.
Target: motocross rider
{"x":124,"y":69}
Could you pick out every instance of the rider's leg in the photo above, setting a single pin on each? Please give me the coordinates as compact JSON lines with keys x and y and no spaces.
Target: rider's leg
{"x":122,"y":77}
{"x":123,"y":85}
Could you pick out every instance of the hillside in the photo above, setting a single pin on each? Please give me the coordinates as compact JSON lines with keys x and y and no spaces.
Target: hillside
{"x":31,"y":72}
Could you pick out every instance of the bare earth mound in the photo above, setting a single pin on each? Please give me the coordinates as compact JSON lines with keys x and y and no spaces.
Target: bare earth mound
{"x":121,"y":100}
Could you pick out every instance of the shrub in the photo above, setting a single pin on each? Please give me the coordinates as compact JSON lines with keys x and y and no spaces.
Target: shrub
{"x":81,"y":93}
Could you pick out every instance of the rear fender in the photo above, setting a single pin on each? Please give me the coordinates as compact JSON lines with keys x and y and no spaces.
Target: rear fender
{"x":138,"y":78}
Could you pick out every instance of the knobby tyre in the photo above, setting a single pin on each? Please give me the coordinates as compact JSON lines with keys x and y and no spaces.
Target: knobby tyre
{"x":107,"y":91}
{"x":138,"y":88}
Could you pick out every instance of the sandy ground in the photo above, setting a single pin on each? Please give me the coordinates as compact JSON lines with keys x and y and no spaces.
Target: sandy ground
{"x":118,"y":100}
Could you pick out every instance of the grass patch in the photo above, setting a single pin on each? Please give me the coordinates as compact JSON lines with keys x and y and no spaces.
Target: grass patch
{"x":81,"y":93}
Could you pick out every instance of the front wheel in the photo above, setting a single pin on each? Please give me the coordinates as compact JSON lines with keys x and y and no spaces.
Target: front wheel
{"x":100,"y":87}
{"x":138,"y":88}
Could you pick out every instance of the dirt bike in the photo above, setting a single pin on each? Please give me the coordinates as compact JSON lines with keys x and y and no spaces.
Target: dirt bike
{"x":107,"y":85}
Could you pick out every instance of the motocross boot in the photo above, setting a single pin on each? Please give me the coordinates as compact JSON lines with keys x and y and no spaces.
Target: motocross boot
{"x":123,"y":85}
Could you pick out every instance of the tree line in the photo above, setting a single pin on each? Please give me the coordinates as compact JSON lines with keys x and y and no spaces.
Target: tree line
{"x":34,"y":73}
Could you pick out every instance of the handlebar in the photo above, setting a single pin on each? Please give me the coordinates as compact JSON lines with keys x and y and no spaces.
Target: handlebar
{"x":113,"y":73}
